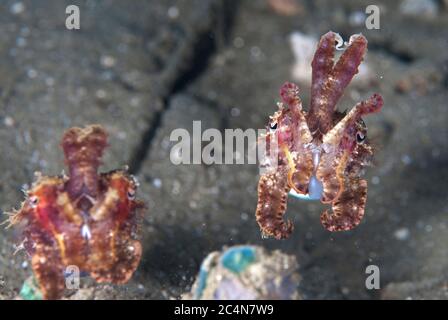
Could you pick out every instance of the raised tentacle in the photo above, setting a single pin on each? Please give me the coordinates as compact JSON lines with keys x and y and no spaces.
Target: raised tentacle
{"x":345,"y":69}
{"x":289,"y":93}
{"x":329,"y":82}
{"x":322,"y":65}
{"x":83,"y":149}
{"x":343,"y":128}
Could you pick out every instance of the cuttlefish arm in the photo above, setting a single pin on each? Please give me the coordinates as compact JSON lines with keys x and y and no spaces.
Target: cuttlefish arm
{"x":299,"y":157}
{"x":329,"y":80}
{"x":272,"y":197}
{"x":339,"y":188}
{"x":322,"y":65}
{"x":83,"y":149}
{"x":348,"y":209}
{"x":338,"y":144}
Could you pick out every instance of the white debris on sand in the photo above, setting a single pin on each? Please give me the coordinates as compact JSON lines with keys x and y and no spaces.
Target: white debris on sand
{"x":17,"y":8}
{"x":425,"y":8}
{"x":303,"y":47}
{"x":402,"y":234}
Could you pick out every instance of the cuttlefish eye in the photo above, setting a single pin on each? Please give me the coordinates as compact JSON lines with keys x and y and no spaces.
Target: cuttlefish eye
{"x":360,"y":137}
{"x":33,"y":201}
{"x":273,"y":126}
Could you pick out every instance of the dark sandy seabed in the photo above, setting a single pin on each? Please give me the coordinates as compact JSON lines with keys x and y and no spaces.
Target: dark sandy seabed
{"x":144,"y":68}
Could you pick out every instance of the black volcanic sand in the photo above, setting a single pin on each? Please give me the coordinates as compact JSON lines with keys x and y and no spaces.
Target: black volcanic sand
{"x":145,"y":68}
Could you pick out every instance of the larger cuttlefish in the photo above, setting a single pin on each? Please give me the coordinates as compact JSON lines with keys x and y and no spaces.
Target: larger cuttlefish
{"x":320,"y":153}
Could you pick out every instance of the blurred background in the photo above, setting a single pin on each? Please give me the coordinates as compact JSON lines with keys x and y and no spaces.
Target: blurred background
{"x":144,"y":68}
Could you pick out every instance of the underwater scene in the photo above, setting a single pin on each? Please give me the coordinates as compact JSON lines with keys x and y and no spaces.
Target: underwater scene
{"x":223,"y":150}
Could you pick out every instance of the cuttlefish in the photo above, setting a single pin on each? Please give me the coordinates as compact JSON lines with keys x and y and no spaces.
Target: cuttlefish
{"x":85,"y":220}
{"x":320,"y":153}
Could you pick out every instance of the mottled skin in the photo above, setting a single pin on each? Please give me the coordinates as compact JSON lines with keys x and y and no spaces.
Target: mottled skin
{"x":321,"y":143}
{"x":87,"y":219}
{"x":289,"y":129}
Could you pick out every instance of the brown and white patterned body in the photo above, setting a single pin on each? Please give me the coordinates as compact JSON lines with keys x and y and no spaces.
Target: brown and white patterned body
{"x":320,"y":152}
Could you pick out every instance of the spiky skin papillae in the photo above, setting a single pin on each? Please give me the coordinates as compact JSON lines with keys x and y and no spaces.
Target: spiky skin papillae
{"x":322,"y":143}
{"x":86,"y":219}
